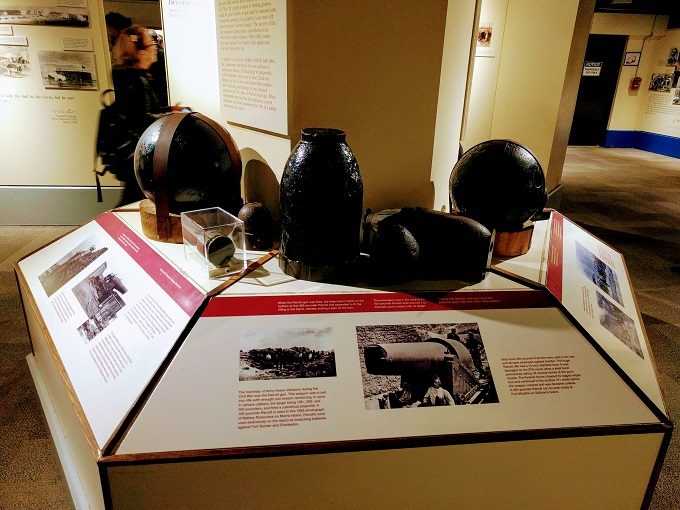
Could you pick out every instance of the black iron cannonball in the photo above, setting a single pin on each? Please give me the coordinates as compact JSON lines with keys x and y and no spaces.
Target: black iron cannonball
{"x":203,"y":166}
{"x":498,"y":183}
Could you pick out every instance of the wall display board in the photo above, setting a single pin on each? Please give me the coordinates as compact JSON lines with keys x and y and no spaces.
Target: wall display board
{"x":326,"y":388}
{"x":253,"y":53}
{"x":54,"y":59}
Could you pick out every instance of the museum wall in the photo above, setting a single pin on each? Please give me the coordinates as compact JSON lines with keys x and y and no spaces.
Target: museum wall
{"x":49,"y":110}
{"x":145,"y":13}
{"x":534,"y":94}
{"x":374,"y":70}
{"x":660,"y":114}
{"x":645,"y":119}
{"x":485,"y":75}
{"x":638,"y":27}
{"x":48,"y":122}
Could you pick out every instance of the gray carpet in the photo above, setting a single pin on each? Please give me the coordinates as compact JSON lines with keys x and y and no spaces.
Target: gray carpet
{"x":628,"y":198}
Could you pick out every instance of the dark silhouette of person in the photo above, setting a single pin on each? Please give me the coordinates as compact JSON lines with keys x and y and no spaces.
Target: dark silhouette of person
{"x":115,"y":24}
{"x":157,"y":70}
{"x":136,"y":100}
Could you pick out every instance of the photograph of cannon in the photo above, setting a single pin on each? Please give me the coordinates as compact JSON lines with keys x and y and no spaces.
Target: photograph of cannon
{"x":100,"y":295}
{"x":286,"y":353}
{"x":421,"y":365}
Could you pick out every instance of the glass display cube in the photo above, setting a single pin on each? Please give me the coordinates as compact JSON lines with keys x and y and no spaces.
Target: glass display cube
{"x":215,"y":239}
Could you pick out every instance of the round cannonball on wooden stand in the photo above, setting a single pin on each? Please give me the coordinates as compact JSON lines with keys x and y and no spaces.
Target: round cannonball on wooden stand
{"x":184,"y":162}
{"x":500,"y":183}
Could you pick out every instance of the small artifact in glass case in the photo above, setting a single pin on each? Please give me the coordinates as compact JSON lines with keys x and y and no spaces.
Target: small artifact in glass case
{"x":215,"y":239}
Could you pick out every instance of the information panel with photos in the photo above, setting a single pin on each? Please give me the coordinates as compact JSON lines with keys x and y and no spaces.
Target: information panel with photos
{"x":114,"y":308}
{"x":591,"y":280}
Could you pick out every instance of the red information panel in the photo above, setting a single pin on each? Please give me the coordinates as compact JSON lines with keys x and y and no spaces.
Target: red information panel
{"x":373,"y":302}
{"x":166,"y":276}
{"x":555,"y":256}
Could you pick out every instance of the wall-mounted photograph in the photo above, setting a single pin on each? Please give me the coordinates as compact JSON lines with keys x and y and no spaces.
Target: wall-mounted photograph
{"x":676,"y":97}
{"x":424,"y":365}
{"x":286,"y":353}
{"x":672,"y":58}
{"x":68,"y":70}
{"x":485,"y":47}
{"x":14,"y":61}
{"x":661,"y":82}
{"x":632,"y":58}
{"x":45,"y":16}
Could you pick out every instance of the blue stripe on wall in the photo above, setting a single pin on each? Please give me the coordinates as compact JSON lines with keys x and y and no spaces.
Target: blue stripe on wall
{"x":643,"y":140}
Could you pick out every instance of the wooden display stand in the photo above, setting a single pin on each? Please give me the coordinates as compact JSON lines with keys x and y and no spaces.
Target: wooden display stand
{"x":147,"y":213}
{"x":199,"y":433}
{"x":512,"y":244}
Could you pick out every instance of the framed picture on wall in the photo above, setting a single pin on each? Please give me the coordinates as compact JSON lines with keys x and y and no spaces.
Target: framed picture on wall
{"x":632,"y":58}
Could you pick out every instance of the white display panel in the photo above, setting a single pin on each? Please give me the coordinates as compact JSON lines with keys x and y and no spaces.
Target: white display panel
{"x":253,"y":63}
{"x":113,"y":309}
{"x":545,"y":374}
{"x":590,"y":279}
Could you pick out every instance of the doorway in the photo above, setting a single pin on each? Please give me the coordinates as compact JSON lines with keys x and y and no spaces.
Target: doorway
{"x":599,"y":77}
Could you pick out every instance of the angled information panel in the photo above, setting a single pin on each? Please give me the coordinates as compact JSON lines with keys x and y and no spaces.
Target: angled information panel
{"x":298,"y":369}
{"x":113,"y":309}
{"x":591,"y":280}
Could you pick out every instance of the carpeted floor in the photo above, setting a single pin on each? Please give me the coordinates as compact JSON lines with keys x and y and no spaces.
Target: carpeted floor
{"x":30,"y":476}
{"x":628,"y":198}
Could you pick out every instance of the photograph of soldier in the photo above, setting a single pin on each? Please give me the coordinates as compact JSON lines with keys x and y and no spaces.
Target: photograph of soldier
{"x":288,"y":353}
{"x":599,"y":273}
{"x":100,"y":295}
{"x":422,"y":365}
{"x":69,"y":266}
{"x":618,"y":324}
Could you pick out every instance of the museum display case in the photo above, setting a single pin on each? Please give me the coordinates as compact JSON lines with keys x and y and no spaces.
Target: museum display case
{"x":165,"y":388}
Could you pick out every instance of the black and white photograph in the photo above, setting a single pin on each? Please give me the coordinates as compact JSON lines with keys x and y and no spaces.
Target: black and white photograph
{"x":661,"y":82}
{"x":484,"y":40}
{"x":484,"y":34}
{"x":46,"y":16}
{"x":632,"y":58}
{"x":676,"y":97}
{"x":672,"y":58}
{"x":599,"y":273}
{"x":75,"y":261}
{"x":68,"y":70}
{"x":424,"y":365}
{"x":286,"y":353}
{"x":14,"y":61}
{"x":618,"y":324}
{"x":100,"y":295}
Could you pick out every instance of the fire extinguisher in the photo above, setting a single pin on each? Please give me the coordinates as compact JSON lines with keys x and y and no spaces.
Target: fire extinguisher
{"x":635,"y":83}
